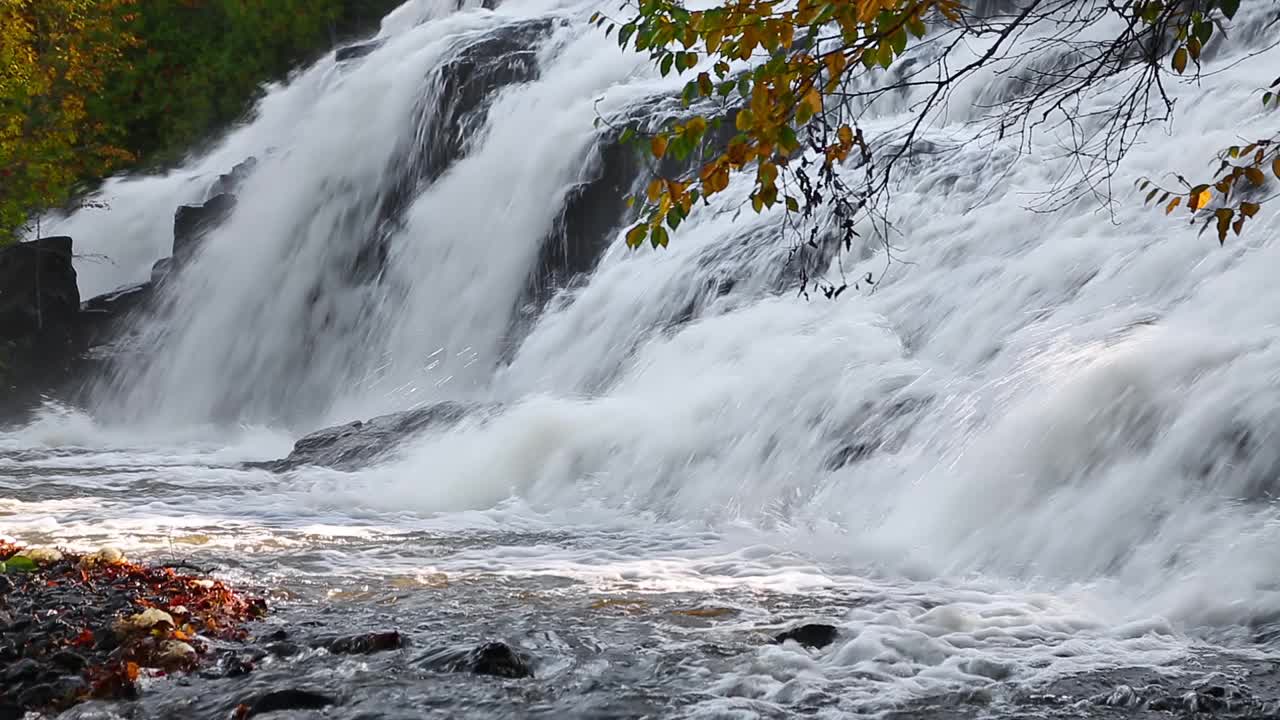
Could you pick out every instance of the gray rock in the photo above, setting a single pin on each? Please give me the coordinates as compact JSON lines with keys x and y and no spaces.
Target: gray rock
{"x":192,"y":223}
{"x":357,"y":444}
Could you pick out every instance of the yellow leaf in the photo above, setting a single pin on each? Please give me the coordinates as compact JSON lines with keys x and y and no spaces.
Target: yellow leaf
{"x":1275,"y":167}
{"x":1249,"y":209}
{"x":658,"y":145}
{"x":636,"y":235}
{"x":768,"y":174}
{"x":1199,"y":198}
{"x":1255,"y":176}
{"x":835,"y":63}
{"x":654,"y":190}
{"x":1173,"y":204}
{"x":845,"y":134}
{"x":813,"y":99}
{"x":1180,"y":60}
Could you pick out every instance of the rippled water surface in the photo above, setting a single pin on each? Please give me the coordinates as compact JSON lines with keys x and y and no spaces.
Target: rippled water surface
{"x":623,"y":616}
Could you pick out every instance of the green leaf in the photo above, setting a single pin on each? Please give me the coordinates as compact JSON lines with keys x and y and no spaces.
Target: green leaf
{"x":1229,"y":7}
{"x":899,"y":41}
{"x":658,"y":237}
{"x":803,"y":113}
{"x":665,"y":66}
{"x":20,"y":564}
{"x":885,"y":55}
{"x":674,"y":216}
{"x":627,"y":134}
{"x":625,"y":33}
{"x":1204,"y":31}
{"x":787,"y":139}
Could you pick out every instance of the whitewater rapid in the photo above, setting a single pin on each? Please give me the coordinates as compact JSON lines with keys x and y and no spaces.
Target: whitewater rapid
{"x":1044,"y":441}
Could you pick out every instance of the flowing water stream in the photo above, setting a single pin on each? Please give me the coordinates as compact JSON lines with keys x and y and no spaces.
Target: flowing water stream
{"x":1042,"y":447}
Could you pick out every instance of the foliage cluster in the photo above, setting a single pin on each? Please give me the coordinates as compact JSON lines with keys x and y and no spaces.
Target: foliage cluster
{"x":781,"y":90}
{"x":88,"y":87}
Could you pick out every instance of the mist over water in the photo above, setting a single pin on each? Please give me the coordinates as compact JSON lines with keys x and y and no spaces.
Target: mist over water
{"x":1059,"y":426}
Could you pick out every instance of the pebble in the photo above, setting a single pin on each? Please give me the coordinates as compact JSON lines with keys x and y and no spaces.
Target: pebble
{"x":39,"y":555}
{"x":145,"y":620}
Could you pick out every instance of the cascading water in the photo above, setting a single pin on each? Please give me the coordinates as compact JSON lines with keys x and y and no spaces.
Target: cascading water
{"x":1039,"y":445}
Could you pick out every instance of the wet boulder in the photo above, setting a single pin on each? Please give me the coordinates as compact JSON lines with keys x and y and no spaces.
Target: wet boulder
{"x":38,"y":290}
{"x":354,"y":52}
{"x":40,"y":332}
{"x":192,"y":223}
{"x":365,"y":644}
{"x":356,"y":444}
{"x":230,"y":182}
{"x":492,"y":658}
{"x":810,"y":635}
{"x":101,"y":316}
{"x":290,"y":699}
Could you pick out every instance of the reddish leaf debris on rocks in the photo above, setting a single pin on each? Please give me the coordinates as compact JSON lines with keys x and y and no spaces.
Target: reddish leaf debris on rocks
{"x":77,"y":628}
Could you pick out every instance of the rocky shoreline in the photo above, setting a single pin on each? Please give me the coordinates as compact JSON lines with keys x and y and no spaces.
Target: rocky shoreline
{"x":79,"y":627}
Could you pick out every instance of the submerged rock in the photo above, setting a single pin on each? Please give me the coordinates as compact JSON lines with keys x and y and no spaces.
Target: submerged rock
{"x":354,"y":445}
{"x":352,"y":52}
{"x":812,"y":635}
{"x":291,"y":699}
{"x":492,"y":658}
{"x":364,"y":644}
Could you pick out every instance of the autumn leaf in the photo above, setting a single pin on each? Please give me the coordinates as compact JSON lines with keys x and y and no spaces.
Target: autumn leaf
{"x":1199,"y":197}
{"x":658,"y":145}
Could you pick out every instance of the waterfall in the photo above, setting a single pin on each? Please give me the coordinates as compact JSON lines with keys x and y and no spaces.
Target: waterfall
{"x":1081,"y":394}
